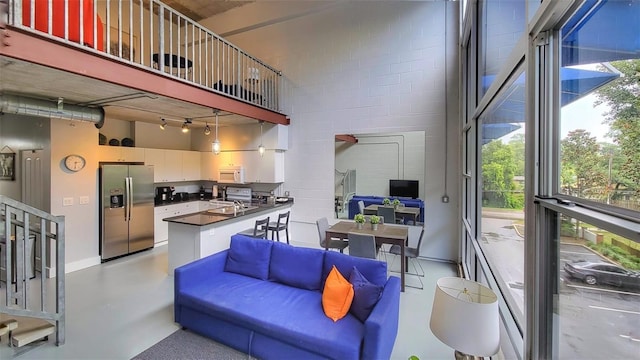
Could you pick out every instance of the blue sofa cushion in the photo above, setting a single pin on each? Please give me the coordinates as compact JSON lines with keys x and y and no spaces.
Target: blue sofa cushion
{"x":366,"y":295}
{"x":249,"y":256}
{"x":296,"y":266}
{"x":293,"y":315}
{"x":375,"y":271}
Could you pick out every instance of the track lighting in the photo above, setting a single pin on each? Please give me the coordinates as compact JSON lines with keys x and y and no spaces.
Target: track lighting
{"x":207,"y":129}
{"x":261,"y":147}
{"x":185,"y":126}
{"x":215,"y":146}
{"x":163,"y":124}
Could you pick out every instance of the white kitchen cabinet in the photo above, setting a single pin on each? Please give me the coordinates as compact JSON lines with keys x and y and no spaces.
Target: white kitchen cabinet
{"x":156,"y":157}
{"x":173,"y":165}
{"x":191,"y":165}
{"x":268,"y":168}
{"x":120,"y":154}
{"x":209,"y":165}
{"x":161,"y":228}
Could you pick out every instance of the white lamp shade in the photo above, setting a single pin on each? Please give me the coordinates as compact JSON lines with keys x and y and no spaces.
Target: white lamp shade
{"x":465,"y":316}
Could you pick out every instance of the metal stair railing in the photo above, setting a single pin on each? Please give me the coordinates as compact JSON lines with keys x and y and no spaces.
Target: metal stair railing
{"x":22,"y":228}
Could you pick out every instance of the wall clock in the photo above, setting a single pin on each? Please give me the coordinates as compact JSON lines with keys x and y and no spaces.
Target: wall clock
{"x":74,"y":162}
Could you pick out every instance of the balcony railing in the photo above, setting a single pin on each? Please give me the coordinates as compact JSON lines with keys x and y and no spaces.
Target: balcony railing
{"x":152,"y":35}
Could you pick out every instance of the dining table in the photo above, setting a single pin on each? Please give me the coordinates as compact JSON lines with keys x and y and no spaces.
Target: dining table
{"x":405,"y":212}
{"x":384,"y":234}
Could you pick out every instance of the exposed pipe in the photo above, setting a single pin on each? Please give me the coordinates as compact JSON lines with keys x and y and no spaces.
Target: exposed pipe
{"x":21,"y":105}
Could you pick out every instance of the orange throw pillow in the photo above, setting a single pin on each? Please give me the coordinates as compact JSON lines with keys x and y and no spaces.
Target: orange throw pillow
{"x":337,"y":295}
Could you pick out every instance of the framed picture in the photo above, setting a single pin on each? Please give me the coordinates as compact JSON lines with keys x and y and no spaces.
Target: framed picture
{"x":8,"y":166}
{"x":128,"y":51}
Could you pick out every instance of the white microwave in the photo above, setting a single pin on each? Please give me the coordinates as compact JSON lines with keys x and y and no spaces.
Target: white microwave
{"x":231,"y":175}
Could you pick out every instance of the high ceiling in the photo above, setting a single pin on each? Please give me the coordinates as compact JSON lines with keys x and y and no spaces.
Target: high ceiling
{"x":202,"y":9}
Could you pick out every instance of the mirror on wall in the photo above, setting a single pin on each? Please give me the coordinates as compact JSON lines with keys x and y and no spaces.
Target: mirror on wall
{"x":365,"y":164}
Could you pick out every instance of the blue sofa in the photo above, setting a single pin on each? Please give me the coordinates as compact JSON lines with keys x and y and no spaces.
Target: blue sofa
{"x":264,"y":298}
{"x":377,"y":200}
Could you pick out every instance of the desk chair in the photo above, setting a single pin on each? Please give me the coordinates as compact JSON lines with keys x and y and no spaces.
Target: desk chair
{"x":362,"y":245}
{"x":259,"y":229}
{"x":282,"y":224}
{"x":323,"y":226}
{"x":412,"y":254}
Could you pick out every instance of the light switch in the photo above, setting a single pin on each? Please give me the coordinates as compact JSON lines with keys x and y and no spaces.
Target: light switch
{"x":68,"y":201}
{"x":84,"y":200}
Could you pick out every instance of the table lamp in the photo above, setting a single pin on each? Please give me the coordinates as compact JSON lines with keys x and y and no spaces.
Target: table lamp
{"x":465,"y":317}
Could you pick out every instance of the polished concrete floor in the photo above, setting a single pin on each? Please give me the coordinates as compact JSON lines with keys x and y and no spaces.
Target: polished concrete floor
{"x":120,"y":308}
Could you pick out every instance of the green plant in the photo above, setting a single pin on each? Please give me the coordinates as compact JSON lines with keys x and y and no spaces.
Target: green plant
{"x":396,"y":202}
{"x":386,"y":202}
{"x":359,"y":218}
{"x":375,"y":219}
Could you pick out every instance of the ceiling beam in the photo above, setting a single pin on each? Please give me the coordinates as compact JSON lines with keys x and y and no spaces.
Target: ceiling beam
{"x":347,"y":138}
{"x":47,"y":52}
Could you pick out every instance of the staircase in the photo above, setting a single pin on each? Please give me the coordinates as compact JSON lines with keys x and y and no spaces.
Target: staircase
{"x":31,"y":305}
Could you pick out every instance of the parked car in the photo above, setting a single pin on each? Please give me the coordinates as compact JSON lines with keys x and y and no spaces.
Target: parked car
{"x":594,"y":273}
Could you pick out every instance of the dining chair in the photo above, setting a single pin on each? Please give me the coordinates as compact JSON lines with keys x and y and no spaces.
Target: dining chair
{"x":361,"y":207}
{"x":362,"y":245}
{"x":323,"y":226}
{"x":412,"y":254}
{"x":282,"y":224}
{"x":388,"y":213}
{"x":259,"y":230}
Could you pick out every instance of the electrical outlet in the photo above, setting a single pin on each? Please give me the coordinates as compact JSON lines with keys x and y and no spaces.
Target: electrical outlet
{"x":84,"y":200}
{"x":445,"y":198}
{"x":68,"y":201}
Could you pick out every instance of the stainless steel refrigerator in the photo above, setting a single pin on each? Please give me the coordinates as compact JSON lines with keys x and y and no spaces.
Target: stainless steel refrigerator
{"x":126,"y":209}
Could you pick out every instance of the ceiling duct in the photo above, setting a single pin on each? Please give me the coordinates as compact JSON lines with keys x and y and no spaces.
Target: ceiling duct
{"x":21,"y":105}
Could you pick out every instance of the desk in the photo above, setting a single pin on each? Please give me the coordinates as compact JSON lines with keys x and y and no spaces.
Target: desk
{"x":403,"y":211}
{"x":386,"y":234}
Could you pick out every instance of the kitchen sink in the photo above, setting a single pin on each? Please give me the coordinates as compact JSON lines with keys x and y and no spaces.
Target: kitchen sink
{"x":228,"y":210}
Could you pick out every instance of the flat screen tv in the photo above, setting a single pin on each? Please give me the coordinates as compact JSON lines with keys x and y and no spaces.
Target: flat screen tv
{"x":404,"y":188}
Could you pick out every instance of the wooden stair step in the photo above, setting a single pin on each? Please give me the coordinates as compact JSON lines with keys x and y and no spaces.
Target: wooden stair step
{"x":21,"y":337}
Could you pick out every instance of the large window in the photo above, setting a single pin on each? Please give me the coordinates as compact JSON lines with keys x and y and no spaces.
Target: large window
{"x":503,"y":184}
{"x":551,"y":215}
{"x":599,"y":144}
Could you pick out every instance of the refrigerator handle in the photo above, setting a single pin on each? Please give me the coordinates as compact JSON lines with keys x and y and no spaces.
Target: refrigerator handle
{"x":127,"y":198}
{"x":130,"y":196}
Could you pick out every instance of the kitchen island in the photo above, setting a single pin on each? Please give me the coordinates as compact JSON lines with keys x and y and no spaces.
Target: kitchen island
{"x":196,"y":235}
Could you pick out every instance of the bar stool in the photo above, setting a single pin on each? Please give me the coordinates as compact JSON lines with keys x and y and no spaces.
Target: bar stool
{"x":276,"y":227}
{"x":259,"y":230}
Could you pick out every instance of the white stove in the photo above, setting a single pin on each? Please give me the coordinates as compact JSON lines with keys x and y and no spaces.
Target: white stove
{"x":239,"y":194}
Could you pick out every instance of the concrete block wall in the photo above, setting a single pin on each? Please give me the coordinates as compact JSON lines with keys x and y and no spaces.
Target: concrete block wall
{"x":361,"y":67}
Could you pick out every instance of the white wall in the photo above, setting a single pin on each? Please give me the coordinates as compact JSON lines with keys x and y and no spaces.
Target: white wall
{"x":360,"y":67}
{"x":81,"y":221}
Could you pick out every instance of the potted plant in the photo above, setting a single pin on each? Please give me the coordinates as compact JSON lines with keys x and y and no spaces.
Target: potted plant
{"x":359,"y":219}
{"x":375,"y":220}
{"x":386,"y":202}
{"x":396,"y":203}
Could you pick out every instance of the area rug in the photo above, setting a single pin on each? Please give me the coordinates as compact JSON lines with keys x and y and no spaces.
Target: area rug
{"x":184,"y":344}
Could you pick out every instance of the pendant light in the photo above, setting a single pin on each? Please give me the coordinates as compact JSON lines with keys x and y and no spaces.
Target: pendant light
{"x":163,"y":124}
{"x":215,"y":146}
{"x":207,"y":129}
{"x":261,"y":147}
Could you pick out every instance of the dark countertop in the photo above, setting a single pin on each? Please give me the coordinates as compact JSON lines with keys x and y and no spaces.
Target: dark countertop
{"x":192,"y":197}
{"x":204,"y":218}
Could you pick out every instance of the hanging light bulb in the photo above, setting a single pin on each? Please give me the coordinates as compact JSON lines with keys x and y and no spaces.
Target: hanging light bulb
{"x":261,"y":147}
{"x":207,"y":129}
{"x":215,"y":146}
{"x":163,"y":124}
